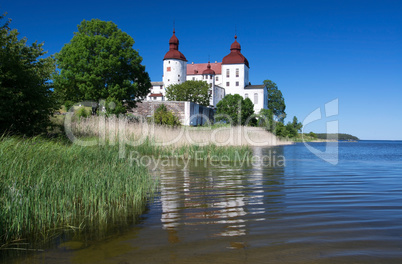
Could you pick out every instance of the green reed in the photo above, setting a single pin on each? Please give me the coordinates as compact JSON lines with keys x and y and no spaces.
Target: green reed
{"x":50,"y":185}
{"x":47,"y":185}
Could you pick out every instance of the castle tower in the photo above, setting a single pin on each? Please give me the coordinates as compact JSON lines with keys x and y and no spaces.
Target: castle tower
{"x":174,"y":64}
{"x":235,"y":70}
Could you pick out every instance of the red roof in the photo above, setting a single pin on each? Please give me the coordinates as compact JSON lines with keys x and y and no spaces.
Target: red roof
{"x":199,"y":68}
{"x":156,"y":95}
{"x":235,"y":56}
{"x":208,"y":70}
{"x":174,"y":52}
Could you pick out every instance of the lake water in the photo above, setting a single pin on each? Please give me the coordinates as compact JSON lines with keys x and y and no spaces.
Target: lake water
{"x":307,"y":211}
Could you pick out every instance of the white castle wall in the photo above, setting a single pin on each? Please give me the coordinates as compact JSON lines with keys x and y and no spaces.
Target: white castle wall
{"x":174,"y":72}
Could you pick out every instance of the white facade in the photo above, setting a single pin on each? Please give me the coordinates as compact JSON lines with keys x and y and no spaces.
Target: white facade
{"x":258,"y":95}
{"x":234,"y":78}
{"x":174,"y":71}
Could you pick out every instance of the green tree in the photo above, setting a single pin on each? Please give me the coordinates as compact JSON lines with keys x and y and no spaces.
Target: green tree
{"x":193,"y":91}
{"x":296,"y":124}
{"x":163,"y":116}
{"x":100,"y":63}
{"x":235,"y":110}
{"x":276,"y":102}
{"x":26,"y":99}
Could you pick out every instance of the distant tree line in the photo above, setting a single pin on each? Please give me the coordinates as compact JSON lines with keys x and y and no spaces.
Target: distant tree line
{"x":338,"y":136}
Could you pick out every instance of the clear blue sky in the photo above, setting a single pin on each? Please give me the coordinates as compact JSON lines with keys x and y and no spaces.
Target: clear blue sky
{"x":315,"y":51}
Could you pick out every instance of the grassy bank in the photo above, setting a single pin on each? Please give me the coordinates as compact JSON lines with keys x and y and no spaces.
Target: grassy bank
{"x":47,"y":186}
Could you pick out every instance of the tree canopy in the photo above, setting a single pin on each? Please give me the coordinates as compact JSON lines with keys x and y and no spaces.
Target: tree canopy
{"x":100,"y":63}
{"x":235,"y":110}
{"x":26,"y":100}
{"x":276,"y":102}
{"x":193,"y":91}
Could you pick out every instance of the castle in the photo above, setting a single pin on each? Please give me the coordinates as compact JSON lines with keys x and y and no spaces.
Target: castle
{"x":231,"y":76}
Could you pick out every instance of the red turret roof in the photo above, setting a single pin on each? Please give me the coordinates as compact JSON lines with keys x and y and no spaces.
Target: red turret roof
{"x":235,"y":56}
{"x":208,"y":70}
{"x":174,"y":52}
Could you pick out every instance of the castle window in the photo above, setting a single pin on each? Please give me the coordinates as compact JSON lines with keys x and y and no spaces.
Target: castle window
{"x":227,"y":83}
{"x":227,"y":73}
{"x":210,"y":77}
{"x":256,"y":98}
{"x":216,"y":78}
{"x":237,"y":72}
{"x":237,"y":83}
{"x":210,"y":85}
{"x":246,"y":95}
{"x":169,"y":69}
{"x":179,"y":75}
{"x":193,"y":78}
{"x":161,"y":86}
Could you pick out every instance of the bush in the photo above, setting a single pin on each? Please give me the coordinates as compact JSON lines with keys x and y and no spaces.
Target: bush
{"x":82,"y":112}
{"x":163,"y":116}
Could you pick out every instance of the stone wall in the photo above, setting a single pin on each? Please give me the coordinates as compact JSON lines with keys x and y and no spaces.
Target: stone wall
{"x":189,"y":113}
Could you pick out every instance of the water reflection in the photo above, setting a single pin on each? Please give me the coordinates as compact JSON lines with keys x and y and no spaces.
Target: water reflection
{"x":227,"y":198}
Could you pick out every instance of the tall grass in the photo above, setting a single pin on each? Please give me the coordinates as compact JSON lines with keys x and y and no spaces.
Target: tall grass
{"x":47,"y":186}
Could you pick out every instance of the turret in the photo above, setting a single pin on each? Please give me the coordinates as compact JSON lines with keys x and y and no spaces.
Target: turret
{"x":235,"y":69}
{"x":174,"y":64}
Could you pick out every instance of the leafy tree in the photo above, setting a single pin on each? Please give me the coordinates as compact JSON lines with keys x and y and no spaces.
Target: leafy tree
{"x":26,"y":99}
{"x":276,"y":102}
{"x":100,"y":63}
{"x":234,"y":109}
{"x":163,"y":116}
{"x":296,"y":124}
{"x":193,"y":91}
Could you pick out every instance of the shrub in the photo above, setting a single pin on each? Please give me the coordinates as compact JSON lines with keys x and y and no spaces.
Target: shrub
{"x":163,"y":116}
{"x":82,"y":112}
